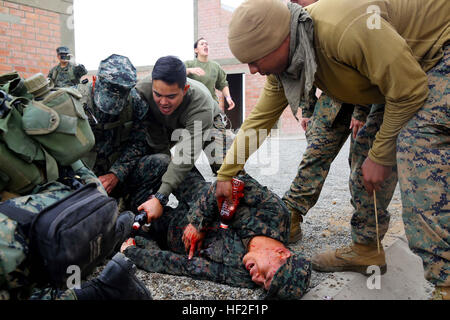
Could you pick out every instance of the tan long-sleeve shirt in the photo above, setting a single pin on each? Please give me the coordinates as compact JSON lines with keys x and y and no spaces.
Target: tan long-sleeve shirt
{"x":367,"y":51}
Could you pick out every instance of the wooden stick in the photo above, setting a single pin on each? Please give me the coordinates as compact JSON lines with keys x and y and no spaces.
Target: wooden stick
{"x":376,"y":218}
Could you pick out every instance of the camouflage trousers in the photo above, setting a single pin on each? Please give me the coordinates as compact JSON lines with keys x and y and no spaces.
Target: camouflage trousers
{"x":52,"y":294}
{"x":423,"y":159}
{"x":144,"y":180}
{"x":363,"y":222}
{"x":216,"y":145}
{"x":325,"y":140}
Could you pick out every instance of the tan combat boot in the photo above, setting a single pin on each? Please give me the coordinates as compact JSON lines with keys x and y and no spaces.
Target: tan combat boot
{"x":357,"y":258}
{"x":296,"y":229}
{"x":441,"y":293}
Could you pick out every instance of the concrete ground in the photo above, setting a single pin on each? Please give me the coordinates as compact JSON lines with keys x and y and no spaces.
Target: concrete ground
{"x":326,"y":226}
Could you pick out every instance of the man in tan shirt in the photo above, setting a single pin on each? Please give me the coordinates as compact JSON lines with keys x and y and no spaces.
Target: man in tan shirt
{"x":390,"y":52}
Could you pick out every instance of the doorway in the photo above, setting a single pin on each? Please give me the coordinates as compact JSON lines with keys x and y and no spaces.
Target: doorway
{"x":235,"y":116}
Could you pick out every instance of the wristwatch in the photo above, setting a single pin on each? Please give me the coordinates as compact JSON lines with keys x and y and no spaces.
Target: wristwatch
{"x":163,"y":199}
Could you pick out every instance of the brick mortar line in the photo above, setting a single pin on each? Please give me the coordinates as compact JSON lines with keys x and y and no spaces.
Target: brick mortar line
{"x":34,"y":7}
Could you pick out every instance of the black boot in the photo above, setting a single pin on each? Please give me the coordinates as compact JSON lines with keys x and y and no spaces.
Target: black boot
{"x":116,"y":282}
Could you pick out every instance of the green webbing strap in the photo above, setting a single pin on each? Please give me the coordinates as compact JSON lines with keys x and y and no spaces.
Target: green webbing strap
{"x":109,"y":125}
{"x":90,"y":159}
{"x":77,"y":165}
{"x":73,"y":79}
{"x":51,"y":167}
{"x":126,"y":122}
{"x":55,"y":74}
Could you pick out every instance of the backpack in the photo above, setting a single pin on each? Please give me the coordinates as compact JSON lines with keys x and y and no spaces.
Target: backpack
{"x":38,"y":136}
{"x":20,"y":156}
{"x":57,"y":122}
{"x":77,"y":230}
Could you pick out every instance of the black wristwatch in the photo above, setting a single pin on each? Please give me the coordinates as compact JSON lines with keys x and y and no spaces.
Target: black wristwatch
{"x":163,"y":199}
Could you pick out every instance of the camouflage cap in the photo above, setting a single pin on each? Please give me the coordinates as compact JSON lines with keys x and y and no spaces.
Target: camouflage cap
{"x":140,"y":106}
{"x":60,"y":50}
{"x":291,"y":280}
{"x":116,"y":77}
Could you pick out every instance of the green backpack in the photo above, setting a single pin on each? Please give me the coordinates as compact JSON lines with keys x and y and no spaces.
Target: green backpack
{"x":37,"y":136}
{"x":20,"y":155}
{"x":60,"y":125}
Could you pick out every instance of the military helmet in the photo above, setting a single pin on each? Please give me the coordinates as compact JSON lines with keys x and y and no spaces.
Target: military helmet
{"x":115,"y":78}
{"x":60,"y":50}
{"x":37,"y":85}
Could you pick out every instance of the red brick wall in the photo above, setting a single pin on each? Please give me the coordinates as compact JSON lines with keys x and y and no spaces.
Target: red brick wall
{"x":29,"y":46}
{"x":213,"y":26}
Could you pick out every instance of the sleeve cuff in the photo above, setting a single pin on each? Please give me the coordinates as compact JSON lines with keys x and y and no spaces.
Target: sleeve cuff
{"x":119,"y":174}
{"x":165,"y":189}
{"x":384,"y":162}
{"x":221,"y":177}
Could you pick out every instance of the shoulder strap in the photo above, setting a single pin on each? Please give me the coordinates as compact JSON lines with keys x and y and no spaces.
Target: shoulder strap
{"x":125,"y":118}
{"x":23,"y":217}
{"x":55,"y":74}
{"x":72,"y":77}
{"x":127,"y":114}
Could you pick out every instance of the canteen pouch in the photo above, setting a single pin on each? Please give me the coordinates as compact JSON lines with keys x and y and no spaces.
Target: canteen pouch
{"x":60,"y":125}
{"x":16,"y":175}
{"x":16,"y":139}
{"x":19,"y":153}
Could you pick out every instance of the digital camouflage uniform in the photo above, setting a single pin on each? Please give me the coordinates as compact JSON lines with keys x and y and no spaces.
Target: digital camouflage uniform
{"x":423,"y":160}
{"x":326,"y":133}
{"x":143,"y":166}
{"x":363,"y":221}
{"x":68,"y":76}
{"x":110,"y":137}
{"x":260,"y":213}
{"x":14,"y":272}
{"x":112,"y":117}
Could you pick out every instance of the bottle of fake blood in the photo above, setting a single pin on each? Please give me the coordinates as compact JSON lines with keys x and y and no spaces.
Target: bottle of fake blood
{"x":139,"y":221}
{"x":226,"y":215}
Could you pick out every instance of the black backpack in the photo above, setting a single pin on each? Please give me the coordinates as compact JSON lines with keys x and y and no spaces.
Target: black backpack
{"x":77,"y":230}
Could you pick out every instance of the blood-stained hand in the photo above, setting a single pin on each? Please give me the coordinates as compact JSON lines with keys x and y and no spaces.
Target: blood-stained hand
{"x":192,"y":240}
{"x":109,"y":182}
{"x":130,"y":242}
